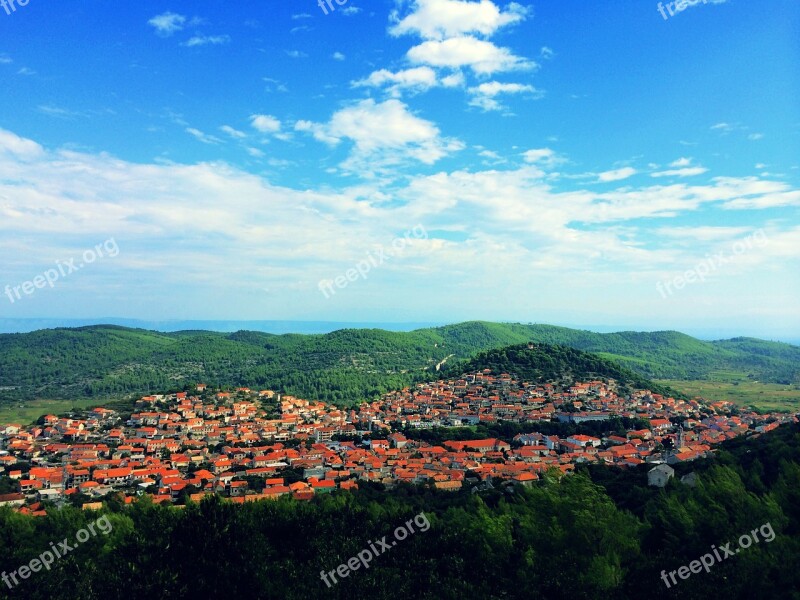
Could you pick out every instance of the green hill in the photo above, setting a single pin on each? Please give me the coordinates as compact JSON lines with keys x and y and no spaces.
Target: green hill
{"x":344,"y":366}
{"x":555,"y":363}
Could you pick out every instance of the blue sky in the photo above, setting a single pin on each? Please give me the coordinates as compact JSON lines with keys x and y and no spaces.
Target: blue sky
{"x":550,"y":161}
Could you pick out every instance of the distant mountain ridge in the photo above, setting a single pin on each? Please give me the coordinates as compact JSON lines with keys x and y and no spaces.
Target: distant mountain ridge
{"x":277,"y":327}
{"x":344,"y":366}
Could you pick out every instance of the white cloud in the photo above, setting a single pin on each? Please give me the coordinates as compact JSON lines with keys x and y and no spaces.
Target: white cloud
{"x":418,"y":79}
{"x":318,"y":130}
{"x":543,"y":157}
{"x":296,"y":54}
{"x":483,"y":57}
{"x":201,"y":230}
{"x":338,"y":56}
{"x":440,"y":19}
{"x":681,"y":162}
{"x":20,"y":148}
{"x":206,"y":40}
{"x":616,"y":174}
{"x":454,"y":80}
{"x":5,"y":59}
{"x":350,"y":11}
{"x":774,"y":200}
{"x":167,"y":23}
{"x":485,"y":95}
{"x":265,"y":123}
{"x":755,"y":136}
{"x":383,"y":134}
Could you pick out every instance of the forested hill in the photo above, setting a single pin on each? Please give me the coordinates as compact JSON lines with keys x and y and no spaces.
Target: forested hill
{"x":554,"y":363}
{"x":344,"y":366}
{"x":659,"y":354}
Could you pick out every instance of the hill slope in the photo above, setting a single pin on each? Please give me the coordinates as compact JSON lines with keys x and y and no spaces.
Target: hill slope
{"x":555,"y":363}
{"x":344,"y":366}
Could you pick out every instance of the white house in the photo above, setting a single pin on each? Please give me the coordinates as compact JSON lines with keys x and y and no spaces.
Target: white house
{"x":658,"y":476}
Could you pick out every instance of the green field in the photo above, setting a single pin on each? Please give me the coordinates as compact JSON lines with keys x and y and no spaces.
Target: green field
{"x":762,"y":396}
{"x":23,"y":413}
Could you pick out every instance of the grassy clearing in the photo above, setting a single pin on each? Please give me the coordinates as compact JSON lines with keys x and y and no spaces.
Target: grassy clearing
{"x":24,"y":413}
{"x":762,"y":396}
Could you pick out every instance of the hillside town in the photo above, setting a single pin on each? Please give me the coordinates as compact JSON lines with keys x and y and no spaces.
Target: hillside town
{"x":250,"y":445}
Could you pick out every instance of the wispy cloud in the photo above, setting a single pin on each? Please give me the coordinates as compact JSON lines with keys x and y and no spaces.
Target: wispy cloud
{"x":167,"y":23}
{"x":59,"y":112}
{"x":234,"y":133}
{"x":682,"y":167}
{"x":206,"y":40}
{"x":275,"y":85}
{"x":687,"y":172}
{"x":203,"y":137}
{"x":616,"y":174}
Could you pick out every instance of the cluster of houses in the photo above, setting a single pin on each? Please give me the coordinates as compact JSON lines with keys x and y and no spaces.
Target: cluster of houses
{"x":251,"y":445}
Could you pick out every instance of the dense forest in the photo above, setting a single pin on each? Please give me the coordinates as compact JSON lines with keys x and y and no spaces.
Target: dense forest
{"x":597,"y":534}
{"x":343,"y":367}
